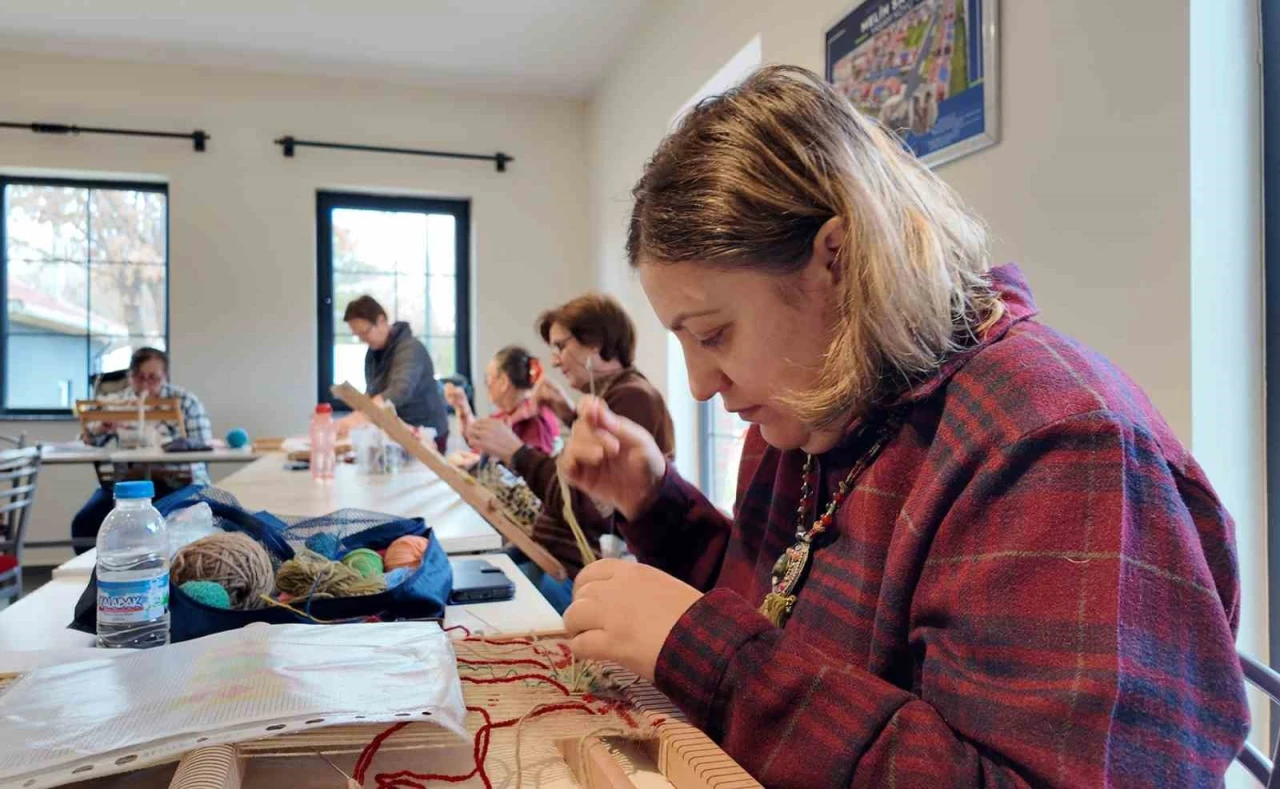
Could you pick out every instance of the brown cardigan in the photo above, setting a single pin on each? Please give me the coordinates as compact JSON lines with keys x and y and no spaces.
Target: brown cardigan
{"x":627,"y":394}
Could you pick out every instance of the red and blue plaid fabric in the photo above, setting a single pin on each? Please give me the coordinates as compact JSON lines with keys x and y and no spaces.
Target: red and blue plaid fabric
{"x":1034,"y":584}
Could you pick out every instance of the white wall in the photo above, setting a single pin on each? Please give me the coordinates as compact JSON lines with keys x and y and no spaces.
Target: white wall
{"x":1090,"y":191}
{"x":242,"y":217}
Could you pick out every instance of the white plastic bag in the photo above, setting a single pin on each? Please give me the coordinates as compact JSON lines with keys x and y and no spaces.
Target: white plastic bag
{"x":188,"y":525}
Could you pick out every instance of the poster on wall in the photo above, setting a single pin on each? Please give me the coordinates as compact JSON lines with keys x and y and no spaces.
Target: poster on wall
{"x":925,"y":68}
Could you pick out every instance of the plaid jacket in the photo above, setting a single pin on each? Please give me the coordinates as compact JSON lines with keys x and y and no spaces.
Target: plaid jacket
{"x":195,"y":421}
{"x":1034,"y":584}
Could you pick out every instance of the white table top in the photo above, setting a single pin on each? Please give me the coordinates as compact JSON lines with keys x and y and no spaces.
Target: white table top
{"x":65,"y":454}
{"x":39,"y":620}
{"x":412,"y":492}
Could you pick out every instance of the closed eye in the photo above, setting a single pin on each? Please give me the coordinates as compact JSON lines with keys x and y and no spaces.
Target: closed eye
{"x":713,"y":340}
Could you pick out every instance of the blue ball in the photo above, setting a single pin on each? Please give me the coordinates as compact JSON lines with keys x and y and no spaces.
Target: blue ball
{"x":237,"y":438}
{"x":326,"y":544}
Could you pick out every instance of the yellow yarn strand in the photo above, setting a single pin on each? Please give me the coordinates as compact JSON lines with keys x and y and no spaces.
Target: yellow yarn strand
{"x":308,"y":574}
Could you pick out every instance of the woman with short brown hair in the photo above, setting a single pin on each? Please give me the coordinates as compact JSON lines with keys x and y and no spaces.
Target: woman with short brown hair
{"x":966,"y":551}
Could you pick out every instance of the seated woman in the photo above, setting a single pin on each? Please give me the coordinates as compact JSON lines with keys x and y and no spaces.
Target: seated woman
{"x":593,"y":344}
{"x":510,"y":379}
{"x":966,"y":551}
{"x":149,"y":376}
{"x":397,"y":370}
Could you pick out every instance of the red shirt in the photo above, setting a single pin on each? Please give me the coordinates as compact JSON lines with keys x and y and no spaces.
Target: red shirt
{"x":1034,"y":584}
{"x":534,"y":425}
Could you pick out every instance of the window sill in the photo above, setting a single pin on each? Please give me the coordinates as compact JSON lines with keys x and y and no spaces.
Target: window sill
{"x":67,"y":417}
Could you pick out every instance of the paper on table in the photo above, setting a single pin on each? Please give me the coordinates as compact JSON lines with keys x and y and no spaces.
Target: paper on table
{"x":81,"y":720}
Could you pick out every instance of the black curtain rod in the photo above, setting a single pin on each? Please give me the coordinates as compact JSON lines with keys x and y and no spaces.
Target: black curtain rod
{"x":289,"y":144}
{"x":198,"y":138}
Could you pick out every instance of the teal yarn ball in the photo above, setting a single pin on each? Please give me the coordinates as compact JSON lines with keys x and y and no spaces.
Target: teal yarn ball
{"x":207,"y":592}
{"x":237,"y":438}
{"x":326,"y":544}
{"x":364,"y":561}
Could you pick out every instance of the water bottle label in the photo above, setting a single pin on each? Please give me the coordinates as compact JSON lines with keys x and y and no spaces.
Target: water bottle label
{"x":133,"y":601}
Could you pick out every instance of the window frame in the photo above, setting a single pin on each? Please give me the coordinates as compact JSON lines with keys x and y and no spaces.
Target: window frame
{"x":326,"y":202}
{"x":1270,"y":54}
{"x":105,"y":184}
{"x":707,"y":437}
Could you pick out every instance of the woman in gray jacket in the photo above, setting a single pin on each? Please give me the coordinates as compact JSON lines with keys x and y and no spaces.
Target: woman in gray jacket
{"x":397,"y":369}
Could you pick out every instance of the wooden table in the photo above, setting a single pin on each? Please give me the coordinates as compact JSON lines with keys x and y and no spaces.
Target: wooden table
{"x":39,"y":620}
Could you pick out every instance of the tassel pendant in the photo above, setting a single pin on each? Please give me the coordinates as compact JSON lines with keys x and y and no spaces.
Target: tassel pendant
{"x":787,"y":575}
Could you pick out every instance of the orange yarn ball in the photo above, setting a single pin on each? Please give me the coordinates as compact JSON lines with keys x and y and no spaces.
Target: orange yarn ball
{"x":406,"y":551}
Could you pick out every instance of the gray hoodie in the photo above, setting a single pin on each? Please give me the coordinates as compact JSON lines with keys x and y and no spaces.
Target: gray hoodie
{"x":403,"y":374}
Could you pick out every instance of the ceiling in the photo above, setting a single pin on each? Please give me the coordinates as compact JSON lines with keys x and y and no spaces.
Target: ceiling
{"x":543,"y":47}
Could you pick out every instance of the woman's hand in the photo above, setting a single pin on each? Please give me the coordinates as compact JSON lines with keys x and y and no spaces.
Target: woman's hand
{"x":344,"y":426}
{"x":623,"y":611}
{"x":495,"y":438}
{"x":549,"y":393}
{"x":457,"y":399}
{"x":612,"y":459}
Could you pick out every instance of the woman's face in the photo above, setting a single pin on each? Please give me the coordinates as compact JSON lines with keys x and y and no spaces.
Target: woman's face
{"x":498,"y":385}
{"x":148,"y":378}
{"x":749,"y":336}
{"x":570,"y":357}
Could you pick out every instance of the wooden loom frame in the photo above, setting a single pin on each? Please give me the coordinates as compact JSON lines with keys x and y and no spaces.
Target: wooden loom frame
{"x":684,"y":756}
{"x":473,"y":493}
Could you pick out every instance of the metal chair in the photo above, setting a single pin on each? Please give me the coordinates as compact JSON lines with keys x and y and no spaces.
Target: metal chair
{"x":19,"y":470}
{"x":1250,"y":758}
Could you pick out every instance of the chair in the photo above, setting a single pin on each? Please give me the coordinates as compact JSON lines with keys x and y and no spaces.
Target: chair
{"x":19,"y":469}
{"x":1251,"y":758}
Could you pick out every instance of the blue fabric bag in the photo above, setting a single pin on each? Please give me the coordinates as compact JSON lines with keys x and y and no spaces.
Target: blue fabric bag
{"x":421,"y":595}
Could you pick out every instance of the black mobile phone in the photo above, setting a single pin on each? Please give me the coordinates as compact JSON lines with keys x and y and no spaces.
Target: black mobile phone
{"x":477,"y":581}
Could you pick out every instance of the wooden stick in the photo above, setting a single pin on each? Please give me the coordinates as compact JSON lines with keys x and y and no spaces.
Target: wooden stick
{"x":592,"y":764}
{"x":480,"y":498}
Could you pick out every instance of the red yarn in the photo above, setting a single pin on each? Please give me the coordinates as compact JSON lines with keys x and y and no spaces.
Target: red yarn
{"x":466,"y":634}
{"x":518,"y":678}
{"x":366,"y":756}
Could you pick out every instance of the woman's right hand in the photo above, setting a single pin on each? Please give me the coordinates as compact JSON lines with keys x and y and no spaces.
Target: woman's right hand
{"x":456,"y":398}
{"x":612,"y":459}
{"x":549,"y":393}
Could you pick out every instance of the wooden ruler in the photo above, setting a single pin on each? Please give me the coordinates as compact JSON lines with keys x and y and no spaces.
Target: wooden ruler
{"x":481,"y":499}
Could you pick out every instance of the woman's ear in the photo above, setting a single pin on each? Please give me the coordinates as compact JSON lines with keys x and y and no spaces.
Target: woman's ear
{"x":827,"y":245}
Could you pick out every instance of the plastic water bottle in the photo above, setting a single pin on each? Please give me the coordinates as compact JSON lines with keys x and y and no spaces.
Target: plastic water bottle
{"x":324,"y":437}
{"x":133,"y":571}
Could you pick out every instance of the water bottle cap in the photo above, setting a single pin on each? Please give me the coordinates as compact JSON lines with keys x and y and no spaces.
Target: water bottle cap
{"x":141,"y":489}
{"x":324,"y":408}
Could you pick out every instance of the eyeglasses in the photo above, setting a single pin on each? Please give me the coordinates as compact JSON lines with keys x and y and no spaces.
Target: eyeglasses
{"x":150,"y":378}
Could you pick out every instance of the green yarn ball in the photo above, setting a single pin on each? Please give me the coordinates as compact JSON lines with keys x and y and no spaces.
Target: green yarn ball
{"x":207,"y":592}
{"x":364,"y":561}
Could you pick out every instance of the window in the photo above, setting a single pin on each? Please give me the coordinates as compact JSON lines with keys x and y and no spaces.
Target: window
{"x":1271,"y":221}
{"x":410,"y":254}
{"x":84,"y":268}
{"x":723,"y":434}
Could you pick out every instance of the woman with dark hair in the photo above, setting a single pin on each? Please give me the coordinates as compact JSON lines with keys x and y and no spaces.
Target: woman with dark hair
{"x":510,"y":380}
{"x":967,"y":550}
{"x":149,"y":377}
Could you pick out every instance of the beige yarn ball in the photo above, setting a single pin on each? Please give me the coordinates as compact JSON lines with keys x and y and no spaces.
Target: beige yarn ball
{"x":234,"y":561}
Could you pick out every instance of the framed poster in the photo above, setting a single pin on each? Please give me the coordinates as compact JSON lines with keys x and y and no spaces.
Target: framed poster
{"x":926,"y":69}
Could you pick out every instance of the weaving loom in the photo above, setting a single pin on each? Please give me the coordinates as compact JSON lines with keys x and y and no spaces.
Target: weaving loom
{"x":535,"y":717}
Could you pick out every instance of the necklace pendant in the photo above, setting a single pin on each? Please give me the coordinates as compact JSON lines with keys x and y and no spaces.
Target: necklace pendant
{"x":787,"y":574}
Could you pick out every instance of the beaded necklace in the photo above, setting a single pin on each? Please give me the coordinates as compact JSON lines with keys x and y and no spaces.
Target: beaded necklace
{"x":792,"y":566}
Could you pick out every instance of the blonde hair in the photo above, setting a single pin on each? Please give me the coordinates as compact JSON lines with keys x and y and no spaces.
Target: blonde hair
{"x":748,"y":178}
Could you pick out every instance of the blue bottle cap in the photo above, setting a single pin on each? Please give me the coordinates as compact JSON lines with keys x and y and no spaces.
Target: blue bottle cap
{"x":142,"y":489}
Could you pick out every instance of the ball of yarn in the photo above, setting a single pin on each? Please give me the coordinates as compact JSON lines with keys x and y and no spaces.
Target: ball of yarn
{"x":364,"y":561}
{"x":406,"y":551}
{"x":397,"y":577}
{"x":237,"y":438}
{"x":308,"y":574}
{"x":207,"y":592}
{"x":234,"y":561}
{"x":326,"y":544}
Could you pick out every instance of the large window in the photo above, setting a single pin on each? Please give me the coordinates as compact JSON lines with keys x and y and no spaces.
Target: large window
{"x":412,"y":256}
{"x":84,"y":269}
{"x":722,"y":436}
